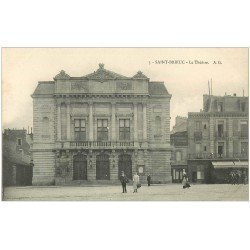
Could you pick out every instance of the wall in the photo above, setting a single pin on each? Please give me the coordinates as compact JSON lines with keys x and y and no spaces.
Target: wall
{"x":44,"y":138}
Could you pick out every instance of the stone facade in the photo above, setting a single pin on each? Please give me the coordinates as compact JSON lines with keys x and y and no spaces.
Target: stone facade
{"x":218,"y":133}
{"x":93,"y":127}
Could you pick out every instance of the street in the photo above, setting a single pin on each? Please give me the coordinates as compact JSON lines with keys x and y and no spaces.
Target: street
{"x":168,"y":192}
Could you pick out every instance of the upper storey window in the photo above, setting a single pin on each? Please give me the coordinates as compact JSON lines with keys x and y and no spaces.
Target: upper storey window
{"x":45,"y":127}
{"x":198,"y":125}
{"x":80,"y":129}
{"x":102,"y":129}
{"x":220,"y":107}
{"x":19,"y":142}
{"x":243,"y":106}
{"x":158,"y":125}
{"x":124,"y":129}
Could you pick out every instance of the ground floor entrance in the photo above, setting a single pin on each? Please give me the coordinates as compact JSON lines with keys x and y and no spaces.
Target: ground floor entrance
{"x":177,"y":173}
{"x":125,"y":165}
{"x":80,"y":167}
{"x":102,"y":167}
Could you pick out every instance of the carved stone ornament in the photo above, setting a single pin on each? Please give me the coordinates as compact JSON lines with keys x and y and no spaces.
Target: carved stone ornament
{"x":140,"y":75}
{"x":62,"y":76}
{"x":124,"y":86}
{"x":83,"y":87}
{"x":102,"y":74}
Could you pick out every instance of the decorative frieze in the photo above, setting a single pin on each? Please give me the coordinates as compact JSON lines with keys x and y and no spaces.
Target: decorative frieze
{"x":79,"y":86}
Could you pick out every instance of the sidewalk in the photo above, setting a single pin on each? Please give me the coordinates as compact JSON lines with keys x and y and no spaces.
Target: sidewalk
{"x":168,"y":192}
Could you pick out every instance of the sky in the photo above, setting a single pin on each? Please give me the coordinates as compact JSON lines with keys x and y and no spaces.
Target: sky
{"x":22,"y":68}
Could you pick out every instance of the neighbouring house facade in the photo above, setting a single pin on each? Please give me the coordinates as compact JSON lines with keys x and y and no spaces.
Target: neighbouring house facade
{"x":93,"y":127}
{"x":179,"y":143}
{"x":218,"y":139}
{"x":17,"y":158}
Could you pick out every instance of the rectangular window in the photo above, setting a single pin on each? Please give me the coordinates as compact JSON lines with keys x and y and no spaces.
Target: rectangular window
{"x":220,"y":107}
{"x":244,"y":129}
{"x":205,"y":148}
{"x":235,"y":148}
{"x":244,"y":148}
{"x":243,"y":106}
{"x":178,"y":156}
{"x":102,"y":129}
{"x":200,"y":173}
{"x":124,"y":129}
{"x":19,"y":142}
{"x":235,"y":128}
{"x":220,"y":130}
{"x":220,"y":149}
{"x":197,"y":147}
{"x":80,"y":129}
{"x":198,"y":125}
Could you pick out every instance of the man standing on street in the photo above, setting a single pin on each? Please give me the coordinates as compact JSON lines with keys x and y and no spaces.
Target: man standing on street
{"x":124,"y":180}
{"x":149,"y":179}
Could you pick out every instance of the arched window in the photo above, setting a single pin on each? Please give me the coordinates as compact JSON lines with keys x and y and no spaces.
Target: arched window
{"x":45,"y":127}
{"x":158,"y":125}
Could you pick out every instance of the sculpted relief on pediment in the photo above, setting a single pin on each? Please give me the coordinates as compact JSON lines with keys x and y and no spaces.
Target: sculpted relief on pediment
{"x":83,"y":87}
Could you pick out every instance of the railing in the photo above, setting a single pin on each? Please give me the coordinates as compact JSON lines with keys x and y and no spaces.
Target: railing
{"x":217,"y":156}
{"x":101,"y":144}
{"x":221,"y":134}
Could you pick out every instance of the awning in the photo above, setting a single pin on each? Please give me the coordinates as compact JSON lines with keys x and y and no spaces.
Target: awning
{"x":230,"y":164}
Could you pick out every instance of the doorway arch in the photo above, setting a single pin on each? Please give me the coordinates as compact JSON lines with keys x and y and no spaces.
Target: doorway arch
{"x":102,"y":167}
{"x":125,"y":165}
{"x":80,"y":167}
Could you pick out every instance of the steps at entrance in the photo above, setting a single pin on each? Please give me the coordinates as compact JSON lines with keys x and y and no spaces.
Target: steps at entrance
{"x":89,"y":183}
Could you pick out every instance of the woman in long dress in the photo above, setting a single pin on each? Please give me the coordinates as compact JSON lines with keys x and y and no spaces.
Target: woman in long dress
{"x":136,"y":180}
{"x":184,"y":179}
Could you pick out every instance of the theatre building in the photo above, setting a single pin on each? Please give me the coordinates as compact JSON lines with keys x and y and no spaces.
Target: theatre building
{"x":90,"y":128}
{"x":218,"y":139}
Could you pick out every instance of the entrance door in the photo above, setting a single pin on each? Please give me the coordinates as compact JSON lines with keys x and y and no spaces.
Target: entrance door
{"x":194,"y":176}
{"x":125,"y":165}
{"x":80,"y":167}
{"x":102,"y":167}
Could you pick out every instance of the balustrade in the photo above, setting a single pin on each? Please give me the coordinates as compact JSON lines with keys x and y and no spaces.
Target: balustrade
{"x":101,"y":144}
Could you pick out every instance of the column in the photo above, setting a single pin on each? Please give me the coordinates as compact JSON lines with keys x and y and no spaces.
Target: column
{"x":68,"y":122}
{"x":113,"y":135}
{"x":135,"y":123}
{"x":144,"y":121}
{"x":90,"y":121}
{"x":59,"y":121}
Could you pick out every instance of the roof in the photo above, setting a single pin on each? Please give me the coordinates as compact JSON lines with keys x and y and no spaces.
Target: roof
{"x":45,"y":88}
{"x":104,"y":74}
{"x":180,"y":134}
{"x":157,"y":88}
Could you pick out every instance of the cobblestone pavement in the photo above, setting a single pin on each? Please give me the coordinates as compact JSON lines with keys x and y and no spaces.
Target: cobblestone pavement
{"x":170,"y":192}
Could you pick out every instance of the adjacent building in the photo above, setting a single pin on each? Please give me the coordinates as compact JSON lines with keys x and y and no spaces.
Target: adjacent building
{"x":218,"y":139}
{"x":91,"y":128}
{"x":17,"y":158}
{"x":179,"y":143}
